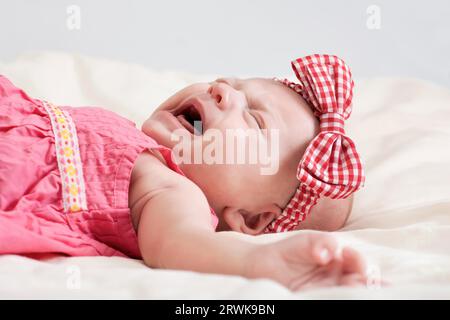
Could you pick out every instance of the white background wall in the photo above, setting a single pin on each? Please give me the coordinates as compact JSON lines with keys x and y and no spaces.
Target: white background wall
{"x":236,"y":37}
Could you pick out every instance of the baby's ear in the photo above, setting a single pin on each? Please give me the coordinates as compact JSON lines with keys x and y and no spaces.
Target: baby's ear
{"x":246,"y":222}
{"x":256,"y":223}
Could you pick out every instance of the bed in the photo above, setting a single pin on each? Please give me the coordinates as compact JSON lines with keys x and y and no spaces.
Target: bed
{"x":400,"y":221}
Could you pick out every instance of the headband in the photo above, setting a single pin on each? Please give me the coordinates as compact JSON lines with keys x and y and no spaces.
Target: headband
{"x":331,"y":166}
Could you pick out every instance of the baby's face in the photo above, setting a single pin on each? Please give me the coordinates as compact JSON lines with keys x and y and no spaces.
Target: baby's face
{"x":247,"y":182}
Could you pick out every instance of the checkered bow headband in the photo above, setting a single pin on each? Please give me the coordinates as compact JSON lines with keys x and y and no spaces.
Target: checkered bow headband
{"x":331,"y":166}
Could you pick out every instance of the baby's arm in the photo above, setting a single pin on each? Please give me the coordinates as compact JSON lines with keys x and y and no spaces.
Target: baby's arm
{"x":175,"y":229}
{"x":175,"y":232}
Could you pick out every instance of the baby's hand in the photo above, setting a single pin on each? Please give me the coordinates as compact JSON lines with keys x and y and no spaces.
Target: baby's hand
{"x":308,"y":260}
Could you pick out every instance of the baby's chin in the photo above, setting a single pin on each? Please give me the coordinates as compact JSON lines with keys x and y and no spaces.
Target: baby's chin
{"x":166,"y":130}
{"x":157,"y":130}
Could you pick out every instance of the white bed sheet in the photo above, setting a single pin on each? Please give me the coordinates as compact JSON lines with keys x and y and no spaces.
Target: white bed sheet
{"x":401,"y":219}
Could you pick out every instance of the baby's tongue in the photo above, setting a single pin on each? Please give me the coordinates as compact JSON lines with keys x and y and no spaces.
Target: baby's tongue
{"x":189,"y":127}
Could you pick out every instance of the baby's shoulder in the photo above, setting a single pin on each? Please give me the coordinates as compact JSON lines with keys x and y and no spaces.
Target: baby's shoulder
{"x":146,"y":163}
{"x":150,"y":176}
{"x":150,"y":172}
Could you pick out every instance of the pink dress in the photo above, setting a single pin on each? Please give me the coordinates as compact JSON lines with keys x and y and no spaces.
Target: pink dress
{"x":64,"y":178}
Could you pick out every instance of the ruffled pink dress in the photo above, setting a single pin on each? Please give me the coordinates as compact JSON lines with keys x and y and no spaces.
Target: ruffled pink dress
{"x":64,"y":178}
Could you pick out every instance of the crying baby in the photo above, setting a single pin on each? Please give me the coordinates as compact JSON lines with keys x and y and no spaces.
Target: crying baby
{"x":215,"y":164}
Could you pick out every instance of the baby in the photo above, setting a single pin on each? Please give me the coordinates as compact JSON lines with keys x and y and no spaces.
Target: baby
{"x":85,"y":181}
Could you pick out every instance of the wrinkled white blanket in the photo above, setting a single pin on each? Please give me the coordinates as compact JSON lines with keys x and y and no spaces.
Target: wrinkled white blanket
{"x":401,"y":219}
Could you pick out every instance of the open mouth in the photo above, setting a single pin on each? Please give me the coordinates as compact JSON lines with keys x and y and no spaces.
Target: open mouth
{"x":191,"y":119}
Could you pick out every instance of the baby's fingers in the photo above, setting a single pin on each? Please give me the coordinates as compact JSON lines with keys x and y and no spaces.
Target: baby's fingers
{"x":353,"y":280}
{"x":324,"y":249}
{"x":353,"y":262}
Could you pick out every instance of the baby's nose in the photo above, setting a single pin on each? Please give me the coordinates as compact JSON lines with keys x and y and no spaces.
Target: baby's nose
{"x":226,"y":96}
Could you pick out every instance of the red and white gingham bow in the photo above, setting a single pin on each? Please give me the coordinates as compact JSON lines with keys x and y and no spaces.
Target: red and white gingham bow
{"x":331,"y":166}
